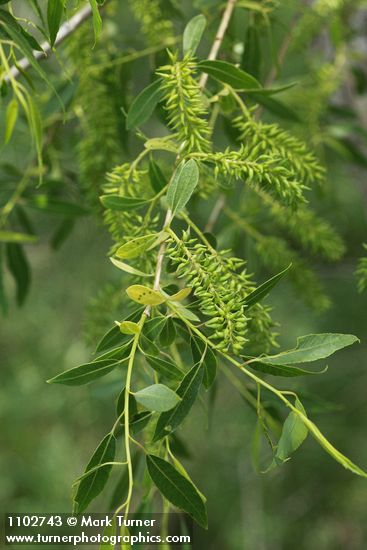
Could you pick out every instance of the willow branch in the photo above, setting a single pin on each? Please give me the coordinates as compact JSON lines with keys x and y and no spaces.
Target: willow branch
{"x":65,"y":30}
{"x":226,"y":17}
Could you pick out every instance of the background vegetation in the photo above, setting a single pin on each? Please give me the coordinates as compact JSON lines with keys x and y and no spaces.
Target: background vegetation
{"x":48,"y":431}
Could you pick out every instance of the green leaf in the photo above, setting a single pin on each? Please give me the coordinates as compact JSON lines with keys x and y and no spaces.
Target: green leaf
{"x":182,"y":185}
{"x":157,"y":398}
{"x":55,"y":206}
{"x":129,"y":269}
{"x":156,"y":176}
{"x":229,"y":74}
{"x":145,"y":295}
{"x":84,"y":374}
{"x":97,"y":20}
{"x":311,"y":348}
{"x":139,"y":421}
{"x":282,"y":370}
{"x":120,"y":405}
{"x":62,"y":233}
{"x":168,"y":333}
{"x":193,"y":33}
{"x":14,"y":237}
{"x":144,"y":104}
{"x":10,"y":119}
{"x":165,"y":368}
{"x":113,"y":336}
{"x":22,"y":39}
{"x":122,"y":204}
{"x":90,"y":486}
{"x":276,"y":107}
{"x":3,"y":300}
{"x":135,"y":247}
{"x":204,"y":355}
{"x":183,"y":311}
{"x":108,"y":532}
{"x":19,"y":268}
{"x":294,"y":433}
{"x":271,"y":91}
{"x":264,"y":289}
{"x":178,"y":489}
{"x":251,"y":57}
{"x":188,"y":391}
{"x":55,"y":9}
{"x":117,"y":354}
{"x":181,"y":294}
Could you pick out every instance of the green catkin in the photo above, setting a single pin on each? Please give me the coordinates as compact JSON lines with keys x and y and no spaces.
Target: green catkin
{"x":184,"y":103}
{"x":311,"y":232}
{"x":221,"y":285}
{"x":256,"y":168}
{"x":130,"y":182}
{"x":291,"y":151}
{"x":151,"y":17}
{"x":99,"y":144}
{"x":361,"y":272}
{"x":275,"y":254}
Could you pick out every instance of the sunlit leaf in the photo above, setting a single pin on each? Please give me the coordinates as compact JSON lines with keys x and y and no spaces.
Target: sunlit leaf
{"x":193,"y":33}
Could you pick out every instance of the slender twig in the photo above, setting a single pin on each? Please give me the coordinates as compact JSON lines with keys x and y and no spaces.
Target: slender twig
{"x":65,"y":30}
{"x":226,"y":17}
{"x":215,"y":213}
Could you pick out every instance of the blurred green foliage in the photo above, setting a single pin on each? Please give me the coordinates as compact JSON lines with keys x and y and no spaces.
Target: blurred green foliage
{"x":47,"y":433}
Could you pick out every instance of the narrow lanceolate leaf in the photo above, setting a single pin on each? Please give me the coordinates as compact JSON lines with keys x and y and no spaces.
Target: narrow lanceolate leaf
{"x":188,"y":391}
{"x":54,"y":206}
{"x":10,"y":119}
{"x":90,"y":486}
{"x":182,"y":185}
{"x":276,"y":107}
{"x":84,"y":373}
{"x":168,"y":333}
{"x":181,"y":295}
{"x":311,"y":348}
{"x":293,"y":434}
{"x":178,"y":489}
{"x":282,"y":370}
{"x":113,"y":336}
{"x":145,"y":295}
{"x":229,"y":74}
{"x":328,"y":447}
{"x":129,"y":269}
{"x":193,"y":33}
{"x":54,"y":13}
{"x":204,"y":355}
{"x":164,"y":368}
{"x":25,"y":42}
{"x":263,"y":290}
{"x":14,"y":237}
{"x":122,"y":204}
{"x":97,"y":20}
{"x":144,"y":104}
{"x":19,"y":268}
{"x":271,"y":91}
{"x":156,"y":176}
{"x":157,"y":398}
{"x":135,"y":247}
{"x":108,"y":533}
